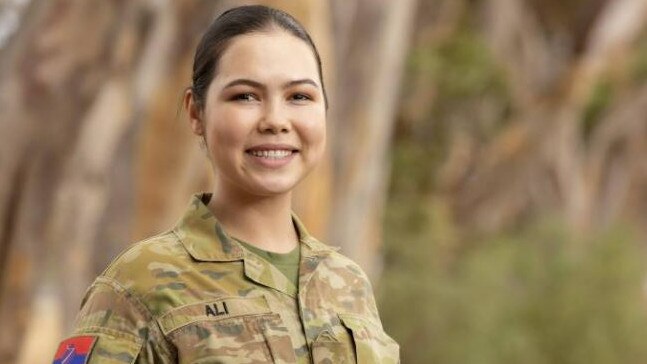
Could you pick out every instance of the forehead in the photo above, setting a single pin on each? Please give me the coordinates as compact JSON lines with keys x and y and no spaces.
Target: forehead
{"x":267,"y":56}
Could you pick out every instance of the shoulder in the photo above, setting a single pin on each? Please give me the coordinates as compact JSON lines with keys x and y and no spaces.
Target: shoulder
{"x":343,"y":281}
{"x":143,"y":265}
{"x":114,"y":312}
{"x":353,"y":269}
{"x":334,"y":257}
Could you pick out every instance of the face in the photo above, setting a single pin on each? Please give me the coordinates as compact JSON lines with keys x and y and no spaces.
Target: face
{"x":264,"y":114}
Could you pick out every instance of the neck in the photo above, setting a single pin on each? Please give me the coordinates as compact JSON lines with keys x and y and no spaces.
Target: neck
{"x":263,"y":221}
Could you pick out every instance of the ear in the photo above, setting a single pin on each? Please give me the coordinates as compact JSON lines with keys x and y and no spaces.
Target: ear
{"x":194,"y":111}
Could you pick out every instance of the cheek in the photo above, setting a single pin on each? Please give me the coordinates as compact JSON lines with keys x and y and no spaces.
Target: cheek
{"x":315,"y":135}
{"x":226,"y":132}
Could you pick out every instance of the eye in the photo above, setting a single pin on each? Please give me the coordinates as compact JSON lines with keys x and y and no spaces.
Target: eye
{"x":246,"y":96}
{"x":300,"y":97}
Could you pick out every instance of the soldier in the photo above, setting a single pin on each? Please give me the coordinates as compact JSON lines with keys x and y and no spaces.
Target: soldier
{"x":238,"y":279}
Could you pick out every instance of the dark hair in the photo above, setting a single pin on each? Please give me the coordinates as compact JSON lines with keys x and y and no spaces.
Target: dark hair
{"x":234,"y":22}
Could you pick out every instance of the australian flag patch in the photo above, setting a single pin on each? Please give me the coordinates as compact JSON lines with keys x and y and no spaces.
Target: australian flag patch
{"x":75,"y":350}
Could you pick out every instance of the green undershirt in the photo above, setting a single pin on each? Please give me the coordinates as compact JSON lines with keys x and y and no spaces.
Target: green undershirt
{"x":287,"y":263}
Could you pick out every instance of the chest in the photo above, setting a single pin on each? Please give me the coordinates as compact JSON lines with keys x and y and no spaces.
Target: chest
{"x":225,"y":315}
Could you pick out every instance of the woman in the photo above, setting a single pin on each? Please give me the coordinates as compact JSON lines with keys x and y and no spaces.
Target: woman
{"x":239,"y":279}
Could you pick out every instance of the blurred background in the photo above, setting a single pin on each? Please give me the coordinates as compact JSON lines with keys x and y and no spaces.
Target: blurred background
{"x":487,"y":164}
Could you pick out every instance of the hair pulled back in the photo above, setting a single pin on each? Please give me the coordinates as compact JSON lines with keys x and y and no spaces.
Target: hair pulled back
{"x":234,"y":22}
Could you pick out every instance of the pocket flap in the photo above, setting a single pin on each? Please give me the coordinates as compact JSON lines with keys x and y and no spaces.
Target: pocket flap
{"x":213,"y":310}
{"x":358,"y":323}
{"x":372,"y":344}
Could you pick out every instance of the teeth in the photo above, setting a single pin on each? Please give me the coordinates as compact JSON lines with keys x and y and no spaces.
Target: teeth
{"x":272,"y":154}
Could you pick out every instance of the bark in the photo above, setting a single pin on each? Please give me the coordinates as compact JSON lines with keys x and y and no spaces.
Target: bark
{"x":363,"y":120}
{"x":168,"y":162}
{"x":46,"y":92}
{"x":65,"y":117}
{"x":540,"y":161}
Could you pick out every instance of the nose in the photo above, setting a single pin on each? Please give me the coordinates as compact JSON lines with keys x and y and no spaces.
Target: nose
{"x":274,"y":120}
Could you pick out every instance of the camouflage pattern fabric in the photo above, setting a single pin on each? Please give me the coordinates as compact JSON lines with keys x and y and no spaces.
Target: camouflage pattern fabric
{"x":194,"y":295}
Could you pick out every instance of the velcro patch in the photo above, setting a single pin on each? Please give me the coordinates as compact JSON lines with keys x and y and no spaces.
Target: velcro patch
{"x":75,"y":350}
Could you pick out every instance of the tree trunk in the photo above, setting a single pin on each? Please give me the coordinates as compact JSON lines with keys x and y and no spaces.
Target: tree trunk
{"x":363,"y":118}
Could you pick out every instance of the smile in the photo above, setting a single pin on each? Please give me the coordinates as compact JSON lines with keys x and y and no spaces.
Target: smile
{"x":271,"y":154}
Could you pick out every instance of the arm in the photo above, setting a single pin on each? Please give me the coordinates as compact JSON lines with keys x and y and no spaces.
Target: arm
{"x":115,"y":327}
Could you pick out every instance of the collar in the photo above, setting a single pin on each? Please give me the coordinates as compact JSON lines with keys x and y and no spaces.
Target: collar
{"x":205,"y":239}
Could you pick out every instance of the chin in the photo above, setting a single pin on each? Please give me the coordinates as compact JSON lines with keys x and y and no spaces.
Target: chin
{"x":272,"y":191}
{"x":273,"y":188}
{"x":272,"y":184}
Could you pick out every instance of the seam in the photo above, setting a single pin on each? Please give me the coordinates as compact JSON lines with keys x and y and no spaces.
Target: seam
{"x":156,"y":330}
{"x":362,"y":319}
{"x":244,"y":318}
{"x":93,"y":329}
{"x":219,"y":299}
{"x":180,"y":241}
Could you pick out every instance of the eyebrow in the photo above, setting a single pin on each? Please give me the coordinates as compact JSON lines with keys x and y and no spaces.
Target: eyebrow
{"x":252,"y":83}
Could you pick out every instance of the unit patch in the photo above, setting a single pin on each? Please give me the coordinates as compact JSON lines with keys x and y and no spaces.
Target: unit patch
{"x":75,"y":350}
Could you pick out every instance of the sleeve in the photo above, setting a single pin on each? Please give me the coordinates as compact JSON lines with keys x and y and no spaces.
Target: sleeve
{"x":114,"y":327}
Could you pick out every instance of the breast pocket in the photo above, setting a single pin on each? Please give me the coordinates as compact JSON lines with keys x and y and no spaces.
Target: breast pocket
{"x":228,"y":330}
{"x":371,"y":344}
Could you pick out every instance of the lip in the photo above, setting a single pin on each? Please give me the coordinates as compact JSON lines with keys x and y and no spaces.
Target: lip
{"x":271,"y":163}
{"x":270,"y":146}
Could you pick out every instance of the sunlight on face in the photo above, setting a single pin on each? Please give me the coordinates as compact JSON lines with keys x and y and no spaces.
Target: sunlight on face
{"x":265,"y":114}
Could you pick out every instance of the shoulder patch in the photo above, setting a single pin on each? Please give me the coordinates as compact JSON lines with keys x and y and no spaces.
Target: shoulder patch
{"x":75,"y":350}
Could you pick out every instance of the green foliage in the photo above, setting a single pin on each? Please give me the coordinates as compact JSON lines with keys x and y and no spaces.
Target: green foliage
{"x":599,"y":101}
{"x":464,"y":91}
{"x":407,"y":157}
{"x":538,"y":295}
{"x":471,"y":90}
{"x":638,"y":67}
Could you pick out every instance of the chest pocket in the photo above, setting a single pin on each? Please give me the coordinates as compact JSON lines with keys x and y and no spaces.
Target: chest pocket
{"x":372,"y":344}
{"x":228,"y":330}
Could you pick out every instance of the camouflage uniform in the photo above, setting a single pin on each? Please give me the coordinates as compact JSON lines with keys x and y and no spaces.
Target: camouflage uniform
{"x":194,"y":295}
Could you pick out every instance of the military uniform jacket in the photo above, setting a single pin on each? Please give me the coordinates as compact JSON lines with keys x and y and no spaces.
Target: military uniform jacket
{"x":194,"y":295}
